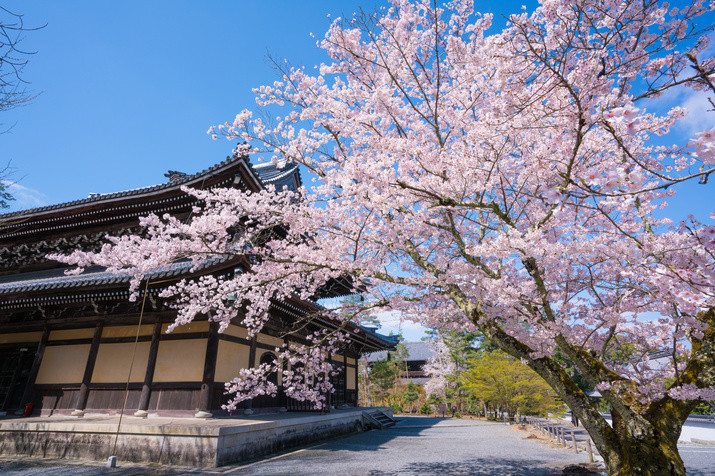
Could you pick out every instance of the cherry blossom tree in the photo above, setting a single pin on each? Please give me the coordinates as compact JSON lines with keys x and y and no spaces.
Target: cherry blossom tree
{"x":476,"y":178}
{"x":438,"y":368}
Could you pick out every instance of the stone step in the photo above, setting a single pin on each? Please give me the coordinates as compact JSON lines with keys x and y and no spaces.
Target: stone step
{"x":384,"y":420}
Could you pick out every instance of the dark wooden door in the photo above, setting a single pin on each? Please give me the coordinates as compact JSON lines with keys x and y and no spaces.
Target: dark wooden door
{"x":266,"y":401}
{"x":15,"y":367}
{"x":338,"y":382}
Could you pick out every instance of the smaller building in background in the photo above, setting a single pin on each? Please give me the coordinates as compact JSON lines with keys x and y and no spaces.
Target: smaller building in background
{"x":417,"y":355}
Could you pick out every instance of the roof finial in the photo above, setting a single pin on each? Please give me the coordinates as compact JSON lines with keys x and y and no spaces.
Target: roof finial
{"x":174,"y":176}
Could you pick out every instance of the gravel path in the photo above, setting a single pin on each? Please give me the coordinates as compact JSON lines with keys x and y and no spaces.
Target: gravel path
{"x":416,"y":445}
{"x":423,"y":445}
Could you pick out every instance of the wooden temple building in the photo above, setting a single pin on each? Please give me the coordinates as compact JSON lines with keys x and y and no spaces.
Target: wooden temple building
{"x":67,"y":343}
{"x":412,"y":369}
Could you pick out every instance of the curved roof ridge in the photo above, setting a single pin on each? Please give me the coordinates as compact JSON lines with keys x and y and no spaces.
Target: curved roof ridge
{"x":56,"y":278}
{"x":277,"y":172}
{"x":281,"y":175}
{"x":127,"y":193}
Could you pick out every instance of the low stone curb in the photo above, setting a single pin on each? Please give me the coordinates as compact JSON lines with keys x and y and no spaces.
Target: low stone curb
{"x":702,"y":442}
{"x":184,"y":442}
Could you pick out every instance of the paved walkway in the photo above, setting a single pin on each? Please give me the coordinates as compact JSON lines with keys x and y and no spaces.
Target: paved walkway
{"x":417,"y":445}
{"x":699,"y":458}
{"x":423,"y":445}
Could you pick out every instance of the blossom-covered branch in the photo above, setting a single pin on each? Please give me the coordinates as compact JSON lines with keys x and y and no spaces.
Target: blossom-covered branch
{"x":506,"y":181}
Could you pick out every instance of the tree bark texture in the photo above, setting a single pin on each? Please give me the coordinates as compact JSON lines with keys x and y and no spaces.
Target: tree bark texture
{"x":642,"y":439}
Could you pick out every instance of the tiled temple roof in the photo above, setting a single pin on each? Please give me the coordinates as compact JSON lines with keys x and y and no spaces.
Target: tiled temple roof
{"x":100,"y":209}
{"x":54,"y":279}
{"x":280,"y":174}
{"x":416,"y":351}
{"x":277,"y":174}
{"x":98,"y":197}
{"x":40,"y":284}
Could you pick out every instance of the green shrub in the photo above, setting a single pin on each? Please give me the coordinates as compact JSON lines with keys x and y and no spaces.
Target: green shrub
{"x":396,"y":408}
{"x":426,"y":409}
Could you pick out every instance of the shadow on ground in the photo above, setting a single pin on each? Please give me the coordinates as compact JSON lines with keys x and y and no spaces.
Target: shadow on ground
{"x":479,"y":467}
{"x":407,"y":427}
{"x":58,"y":467}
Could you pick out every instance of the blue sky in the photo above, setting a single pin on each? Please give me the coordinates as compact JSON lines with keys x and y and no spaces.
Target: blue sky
{"x":128,"y":89}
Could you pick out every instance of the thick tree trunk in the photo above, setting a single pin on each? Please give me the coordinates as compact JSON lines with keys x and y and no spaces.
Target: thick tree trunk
{"x":643,"y":449}
{"x":643,"y":439}
{"x":636,"y":444}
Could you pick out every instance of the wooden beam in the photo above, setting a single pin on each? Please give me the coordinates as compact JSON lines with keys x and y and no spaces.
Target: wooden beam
{"x":149,"y":375}
{"x":85,"y":321}
{"x":345,"y":376}
{"x":282,"y":399}
{"x":252,"y":352}
{"x":357,"y":386}
{"x":328,"y":395}
{"x":251,"y":364}
{"x":88,"y":370}
{"x":207,"y":383}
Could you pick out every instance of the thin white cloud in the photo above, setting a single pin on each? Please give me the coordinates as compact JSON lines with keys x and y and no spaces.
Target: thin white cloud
{"x":25,"y":197}
{"x":700,"y":115}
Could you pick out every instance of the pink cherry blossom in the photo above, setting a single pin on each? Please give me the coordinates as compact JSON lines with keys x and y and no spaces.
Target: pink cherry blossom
{"x":505,"y":181}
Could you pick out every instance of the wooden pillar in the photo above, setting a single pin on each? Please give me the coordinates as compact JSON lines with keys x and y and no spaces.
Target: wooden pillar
{"x":251,"y":364}
{"x":282,"y":399}
{"x":357,"y":386}
{"x":88,"y":370}
{"x":207,"y":383}
{"x":252,"y":352}
{"x":149,"y":375}
{"x":30,"y":386}
{"x":328,"y":395}
{"x":345,"y":377}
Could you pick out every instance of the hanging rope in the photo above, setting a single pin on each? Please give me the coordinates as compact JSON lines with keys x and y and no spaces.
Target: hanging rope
{"x":131,"y":365}
{"x":136,"y":340}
